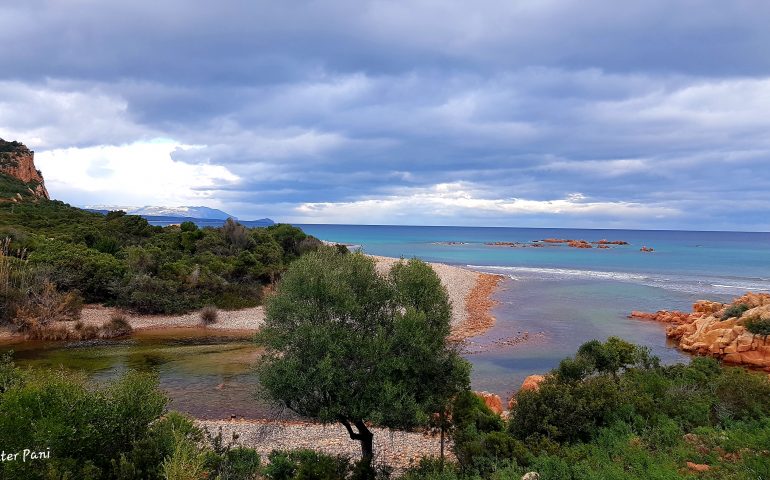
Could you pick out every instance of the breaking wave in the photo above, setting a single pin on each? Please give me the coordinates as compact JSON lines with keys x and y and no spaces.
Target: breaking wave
{"x":689,"y":284}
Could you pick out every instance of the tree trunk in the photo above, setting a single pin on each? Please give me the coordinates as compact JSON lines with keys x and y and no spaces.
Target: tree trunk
{"x":367,"y":442}
{"x":441,"y":423}
{"x":364,"y":435}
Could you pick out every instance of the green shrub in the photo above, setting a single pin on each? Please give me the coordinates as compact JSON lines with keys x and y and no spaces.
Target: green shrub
{"x":306,"y":465}
{"x":87,"y":427}
{"x":145,"y":459}
{"x":186,"y":462}
{"x":77,"y":267}
{"x":734,"y":311}
{"x":470,"y":411}
{"x":758,"y":326}
{"x":432,"y":468}
{"x":565,"y":411}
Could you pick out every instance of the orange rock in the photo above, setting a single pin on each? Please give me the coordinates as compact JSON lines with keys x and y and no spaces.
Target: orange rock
{"x":532,"y":382}
{"x":492,"y":401}
{"x":698,"y":467}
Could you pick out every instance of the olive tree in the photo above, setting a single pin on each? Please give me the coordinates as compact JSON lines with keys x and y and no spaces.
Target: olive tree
{"x":346,"y":344}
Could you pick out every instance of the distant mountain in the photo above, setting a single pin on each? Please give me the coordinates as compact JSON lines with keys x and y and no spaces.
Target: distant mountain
{"x":205,"y":213}
{"x":165,"y":220}
{"x":202,"y":216}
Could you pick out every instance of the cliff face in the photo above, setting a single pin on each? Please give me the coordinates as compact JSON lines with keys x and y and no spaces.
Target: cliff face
{"x":17,"y":161}
{"x":719,"y":329}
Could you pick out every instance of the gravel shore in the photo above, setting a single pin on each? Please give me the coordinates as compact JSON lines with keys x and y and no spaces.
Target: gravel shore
{"x":394,"y":448}
{"x":244,"y":319}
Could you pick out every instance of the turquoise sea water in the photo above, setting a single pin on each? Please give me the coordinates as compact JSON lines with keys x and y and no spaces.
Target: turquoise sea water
{"x":559,"y":297}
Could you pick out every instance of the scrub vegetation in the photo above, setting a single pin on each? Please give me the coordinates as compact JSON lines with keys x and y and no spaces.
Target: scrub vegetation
{"x":56,"y":257}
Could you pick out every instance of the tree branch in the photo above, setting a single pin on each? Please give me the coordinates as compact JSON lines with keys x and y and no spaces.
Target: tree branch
{"x":353,"y":435}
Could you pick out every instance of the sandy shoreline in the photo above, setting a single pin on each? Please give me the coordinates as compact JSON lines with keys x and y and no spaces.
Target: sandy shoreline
{"x":469,"y":291}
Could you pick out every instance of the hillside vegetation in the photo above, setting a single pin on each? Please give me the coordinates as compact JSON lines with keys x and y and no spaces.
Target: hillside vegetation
{"x":122,"y":260}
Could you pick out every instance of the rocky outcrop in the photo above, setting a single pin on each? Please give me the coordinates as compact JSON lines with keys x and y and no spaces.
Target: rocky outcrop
{"x":492,"y":401}
{"x":720,"y":329}
{"x":531,"y":383}
{"x":17,"y":161}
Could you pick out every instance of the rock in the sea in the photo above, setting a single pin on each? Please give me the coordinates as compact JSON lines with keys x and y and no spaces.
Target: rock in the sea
{"x":664,"y":316}
{"x":718,"y":329}
{"x":492,"y":401}
{"x":579,"y":244}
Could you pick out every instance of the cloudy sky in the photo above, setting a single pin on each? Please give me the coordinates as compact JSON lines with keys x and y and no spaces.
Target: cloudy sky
{"x":568,"y":113}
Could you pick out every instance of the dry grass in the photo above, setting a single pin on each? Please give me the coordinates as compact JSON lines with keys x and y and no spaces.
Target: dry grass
{"x":209,"y":315}
{"x":116,"y":326}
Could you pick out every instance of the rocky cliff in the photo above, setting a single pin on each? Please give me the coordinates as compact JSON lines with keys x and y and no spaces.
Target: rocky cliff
{"x":734,"y":332}
{"x":17,"y":161}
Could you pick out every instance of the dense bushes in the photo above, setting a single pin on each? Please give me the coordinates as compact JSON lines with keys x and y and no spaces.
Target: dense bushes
{"x":613,"y":412}
{"x":122,"y":260}
{"x":87,"y":429}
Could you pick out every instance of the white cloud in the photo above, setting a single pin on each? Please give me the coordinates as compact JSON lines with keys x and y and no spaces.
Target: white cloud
{"x":141,"y":173}
{"x":436,"y":204}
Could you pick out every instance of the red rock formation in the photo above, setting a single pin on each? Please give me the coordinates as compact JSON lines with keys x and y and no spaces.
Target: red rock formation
{"x":665,"y":316}
{"x":492,"y":401}
{"x":705,"y":332}
{"x":17,"y":161}
{"x":579,"y":244}
{"x":611,"y":242}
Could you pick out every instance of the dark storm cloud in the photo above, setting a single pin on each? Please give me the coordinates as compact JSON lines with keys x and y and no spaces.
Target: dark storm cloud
{"x":647,"y":110}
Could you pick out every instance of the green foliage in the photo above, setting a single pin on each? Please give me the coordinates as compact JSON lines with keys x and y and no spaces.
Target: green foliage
{"x":186,"y":462}
{"x":735,"y":311}
{"x":306,"y":465}
{"x":346,"y":344}
{"x":758,"y":326}
{"x":11,"y":187}
{"x":88,"y":429}
{"x":627,"y":419}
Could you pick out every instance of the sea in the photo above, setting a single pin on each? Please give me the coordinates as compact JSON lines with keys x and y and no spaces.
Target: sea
{"x":554,"y":298}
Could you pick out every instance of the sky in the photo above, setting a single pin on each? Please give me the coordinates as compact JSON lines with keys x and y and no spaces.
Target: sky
{"x":646,"y":114}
